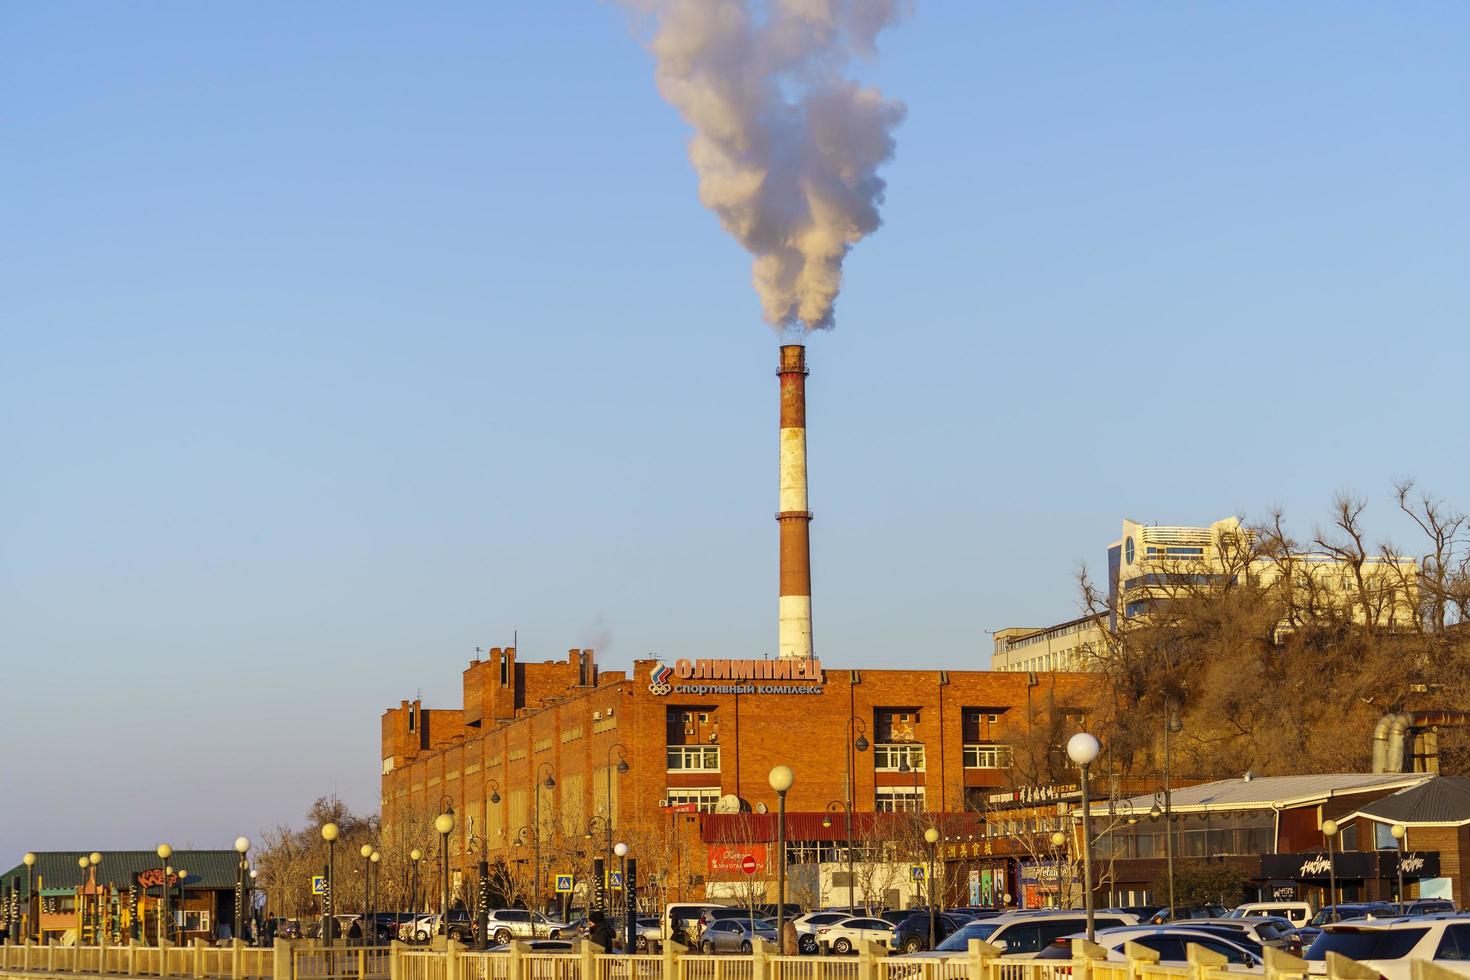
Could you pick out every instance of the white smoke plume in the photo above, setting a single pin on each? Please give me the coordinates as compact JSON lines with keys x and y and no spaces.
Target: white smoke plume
{"x":786,"y":146}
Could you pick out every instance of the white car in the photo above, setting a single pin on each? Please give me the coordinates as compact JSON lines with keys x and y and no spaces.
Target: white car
{"x":419,"y":929}
{"x":1300,"y":913}
{"x":1172,"y":944}
{"x":846,"y":934}
{"x":1023,"y":935}
{"x":508,"y":924}
{"x":807,"y":925}
{"x":1387,"y":945}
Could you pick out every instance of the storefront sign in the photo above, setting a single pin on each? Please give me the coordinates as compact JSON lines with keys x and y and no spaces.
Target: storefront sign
{"x":726,"y":861}
{"x":154,"y":877}
{"x":1034,"y":794}
{"x":742,"y":677}
{"x":1416,"y":864}
{"x":1317,"y":866}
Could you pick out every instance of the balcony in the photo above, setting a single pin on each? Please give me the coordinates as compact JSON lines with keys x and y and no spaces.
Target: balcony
{"x":984,"y":755}
{"x":892,"y":756}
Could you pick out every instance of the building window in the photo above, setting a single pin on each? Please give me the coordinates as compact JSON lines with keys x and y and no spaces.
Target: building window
{"x":891,"y":756}
{"x":694,"y":758}
{"x":704,"y":799}
{"x":983,"y":756}
{"x":899,"y":799}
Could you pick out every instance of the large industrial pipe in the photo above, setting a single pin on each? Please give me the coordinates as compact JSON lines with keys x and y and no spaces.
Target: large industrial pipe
{"x":794,"y":637}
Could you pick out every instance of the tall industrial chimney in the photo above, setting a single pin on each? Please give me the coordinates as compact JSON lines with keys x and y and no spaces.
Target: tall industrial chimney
{"x":795,"y":635}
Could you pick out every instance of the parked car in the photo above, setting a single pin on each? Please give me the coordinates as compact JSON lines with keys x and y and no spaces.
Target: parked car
{"x":681,"y":922}
{"x":717,"y":913}
{"x":912,"y":934}
{"x":1259,"y":930}
{"x":1143,"y":912}
{"x":1387,"y":945}
{"x":845,"y":934}
{"x":1355,"y":910}
{"x":1022,"y":935}
{"x":1188,"y":912}
{"x":768,"y":911}
{"x":418,"y":928}
{"x":1300,"y":913}
{"x":736,"y":935}
{"x":1172,"y":945}
{"x":507,"y":924}
{"x":1425,"y":906}
{"x":807,"y":925}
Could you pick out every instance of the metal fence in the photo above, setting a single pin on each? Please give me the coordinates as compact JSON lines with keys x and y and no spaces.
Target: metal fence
{"x":295,"y":960}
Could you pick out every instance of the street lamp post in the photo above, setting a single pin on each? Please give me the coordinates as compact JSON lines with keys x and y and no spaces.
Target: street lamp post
{"x":630,"y":921}
{"x":84,"y":911}
{"x":330,"y":833}
{"x":1082,"y":749}
{"x":377,"y":874}
{"x":1058,"y":841}
{"x":366,"y":851}
{"x":250,"y":902}
{"x":415,"y":856}
{"x":164,"y":852}
{"x":1329,"y":831}
{"x":549,"y":783}
{"x":620,"y":768}
{"x":444,"y":823}
{"x":30,"y":862}
{"x":95,"y":860}
{"x":1400,"y":835}
{"x":781,"y":780}
{"x":854,"y":746}
{"x":1174,"y":725}
{"x":242,"y":847}
{"x":931,"y":837}
{"x":183,"y":875}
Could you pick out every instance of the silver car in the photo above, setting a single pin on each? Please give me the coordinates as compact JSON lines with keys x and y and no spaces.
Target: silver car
{"x":735,"y":935}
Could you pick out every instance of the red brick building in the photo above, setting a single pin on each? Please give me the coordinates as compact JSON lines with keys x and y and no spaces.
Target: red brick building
{"x":699,"y":738}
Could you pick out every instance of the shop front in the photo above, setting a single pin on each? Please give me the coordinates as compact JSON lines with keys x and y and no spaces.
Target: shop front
{"x":1359,"y":876}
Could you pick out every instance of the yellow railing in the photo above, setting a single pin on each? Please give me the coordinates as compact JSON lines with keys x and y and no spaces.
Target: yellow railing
{"x":294,"y":960}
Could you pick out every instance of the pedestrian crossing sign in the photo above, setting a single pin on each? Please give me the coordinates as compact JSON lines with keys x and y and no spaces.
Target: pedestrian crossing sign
{"x":916,"y":872}
{"x":318,"y":884}
{"x":615,"y":879}
{"x":563,"y":884}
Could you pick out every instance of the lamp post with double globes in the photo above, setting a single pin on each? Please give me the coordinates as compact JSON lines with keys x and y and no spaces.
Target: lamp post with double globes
{"x":1400,"y":835}
{"x":98,"y":925}
{"x":1082,"y":749}
{"x":782,"y":778}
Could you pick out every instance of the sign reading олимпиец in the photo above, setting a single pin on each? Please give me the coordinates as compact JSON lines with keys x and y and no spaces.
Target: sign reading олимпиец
{"x":776,"y":676}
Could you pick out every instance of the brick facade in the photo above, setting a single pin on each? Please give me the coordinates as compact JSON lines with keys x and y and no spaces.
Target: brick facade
{"x":522,"y":721}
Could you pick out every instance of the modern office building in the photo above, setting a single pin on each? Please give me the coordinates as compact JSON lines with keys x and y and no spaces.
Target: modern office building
{"x":1066,"y":646}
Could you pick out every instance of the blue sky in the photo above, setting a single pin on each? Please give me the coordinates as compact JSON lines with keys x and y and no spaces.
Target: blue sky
{"x":342,"y":338}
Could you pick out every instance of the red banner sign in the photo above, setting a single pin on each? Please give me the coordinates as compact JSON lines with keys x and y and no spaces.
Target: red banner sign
{"x":153,"y":877}
{"x":727,"y":861}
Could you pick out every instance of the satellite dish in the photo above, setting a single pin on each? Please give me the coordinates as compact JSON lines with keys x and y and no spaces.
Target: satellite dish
{"x":729,"y":803}
{"x":760,"y":808}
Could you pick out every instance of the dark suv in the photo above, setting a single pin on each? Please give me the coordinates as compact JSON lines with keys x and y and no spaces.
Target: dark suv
{"x":912,"y":934}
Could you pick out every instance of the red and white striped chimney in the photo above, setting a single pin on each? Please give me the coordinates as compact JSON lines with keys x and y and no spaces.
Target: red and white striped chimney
{"x":795,"y":634}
